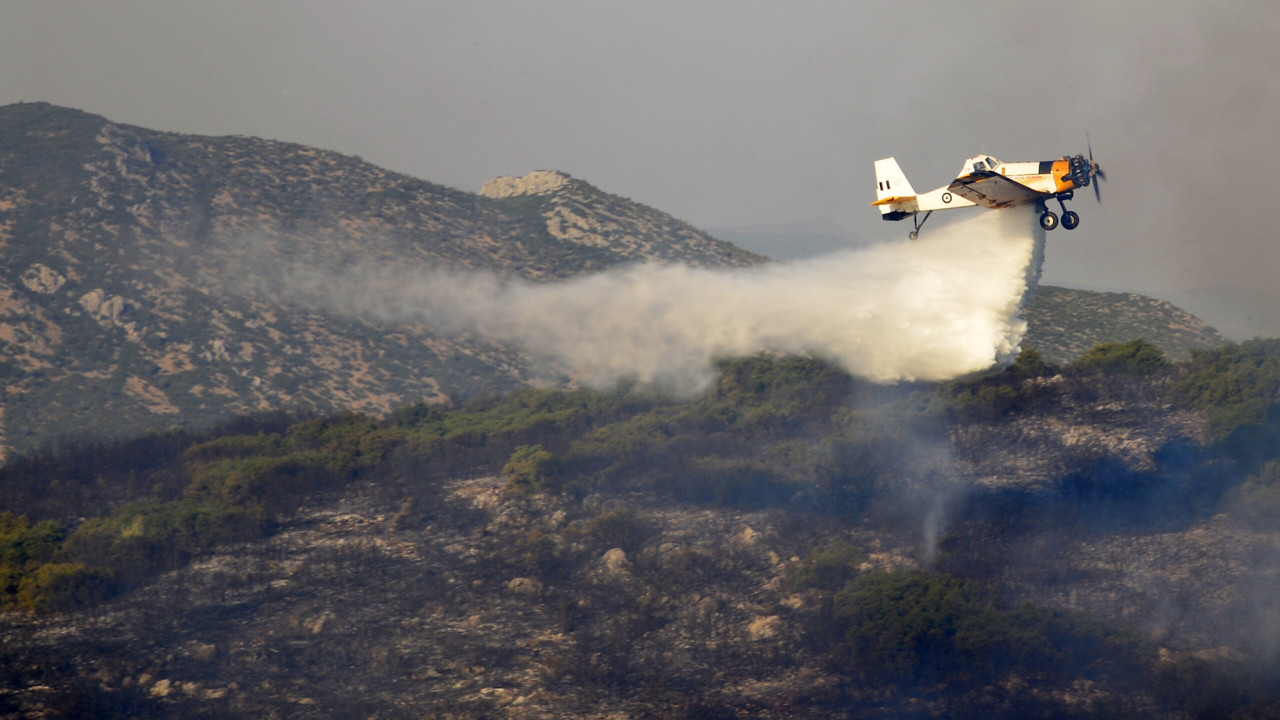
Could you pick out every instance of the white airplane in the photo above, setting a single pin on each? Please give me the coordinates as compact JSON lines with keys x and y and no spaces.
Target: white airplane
{"x":987,"y":182}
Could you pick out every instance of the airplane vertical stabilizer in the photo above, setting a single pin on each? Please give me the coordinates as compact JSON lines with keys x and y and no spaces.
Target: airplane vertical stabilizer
{"x":891,"y":182}
{"x":894,"y":195}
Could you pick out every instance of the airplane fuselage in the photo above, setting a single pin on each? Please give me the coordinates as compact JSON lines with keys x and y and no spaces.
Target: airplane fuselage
{"x":1049,"y":176}
{"x":987,"y":182}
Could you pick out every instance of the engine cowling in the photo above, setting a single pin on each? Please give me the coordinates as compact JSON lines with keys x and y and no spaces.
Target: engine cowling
{"x":1080,"y":170}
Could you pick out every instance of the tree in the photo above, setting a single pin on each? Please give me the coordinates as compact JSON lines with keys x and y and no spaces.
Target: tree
{"x":1136,"y":357}
{"x":525,"y":470}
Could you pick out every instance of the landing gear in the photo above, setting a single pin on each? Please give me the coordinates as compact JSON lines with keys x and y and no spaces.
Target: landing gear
{"x":1049,"y":221}
{"x":915,"y":218}
{"x":1070,"y":219}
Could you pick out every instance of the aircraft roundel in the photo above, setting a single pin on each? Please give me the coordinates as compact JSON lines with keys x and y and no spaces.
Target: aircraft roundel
{"x":946,"y":197}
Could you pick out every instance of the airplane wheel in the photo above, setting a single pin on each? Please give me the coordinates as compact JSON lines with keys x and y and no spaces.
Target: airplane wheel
{"x":913,"y":234}
{"x":1048,"y":220}
{"x":1070,"y":220}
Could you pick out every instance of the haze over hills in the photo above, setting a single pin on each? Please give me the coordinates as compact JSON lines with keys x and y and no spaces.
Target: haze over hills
{"x":141,"y":277}
{"x":792,"y":541}
{"x":123,"y":295}
{"x":790,"y":241}
{"x":1238,"y":312}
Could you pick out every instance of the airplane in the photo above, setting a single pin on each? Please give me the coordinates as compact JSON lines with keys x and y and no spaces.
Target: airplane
{"x":987,"y":182}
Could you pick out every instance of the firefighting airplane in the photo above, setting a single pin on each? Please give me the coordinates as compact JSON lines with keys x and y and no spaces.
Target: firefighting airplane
{"x":990,"y":183}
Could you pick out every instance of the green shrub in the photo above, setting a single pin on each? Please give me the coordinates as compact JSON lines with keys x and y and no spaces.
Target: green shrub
{"x":234,"y":446}
{"x":1030,"y":363}
{"x":990,"y":396}
{"x":1135,"y":357}
{"x":24,"y":550}
{"x":1238,"y":388}
{"x":273,"y":484}
{"x":22,"y":544}
{"x":799,"y":379}
{"x":914,"y":627}
{"x":60,"y":587}
{"x":415,"y":415}
{"x":138,"y":540}
{"x":827,"y":568}
{"x":524,"y":471}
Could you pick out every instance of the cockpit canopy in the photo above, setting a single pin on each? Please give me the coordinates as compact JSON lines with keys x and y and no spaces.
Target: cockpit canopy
{"x":979,"y":163}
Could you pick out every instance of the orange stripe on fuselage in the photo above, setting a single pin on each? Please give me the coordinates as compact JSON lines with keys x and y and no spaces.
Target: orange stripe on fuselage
{"x":1060,"y":181}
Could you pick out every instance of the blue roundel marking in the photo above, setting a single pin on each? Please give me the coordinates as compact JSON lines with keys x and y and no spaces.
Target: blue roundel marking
{"x":946,"y":197}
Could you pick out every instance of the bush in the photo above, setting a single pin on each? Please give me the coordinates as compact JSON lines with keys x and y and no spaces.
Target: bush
{"x":1136,"y":357}
{"x":911,"y":627}
{"x":414,"y":415}
{"x":22,"y":544}
{"x":524,"y":471}
{"x":139,"y":540}
{"x":990,"y":396}
{"x":1030,"y":363}
{"x":60,"y":587}
{"x":233,"y":446}
{"x":273,"y":484}
{"x":25,"y":550}
{"x":828,"y":568}
{"x":1238,"y":388}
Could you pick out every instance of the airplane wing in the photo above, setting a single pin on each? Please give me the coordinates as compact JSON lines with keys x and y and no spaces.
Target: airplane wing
{"x":993,"y":190}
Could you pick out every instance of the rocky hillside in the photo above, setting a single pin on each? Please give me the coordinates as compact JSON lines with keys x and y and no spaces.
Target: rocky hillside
{"x":136,"y":270}
{"x":1062,"y":323}
{"x":1024,"y":544}
{"x":128,"y":259}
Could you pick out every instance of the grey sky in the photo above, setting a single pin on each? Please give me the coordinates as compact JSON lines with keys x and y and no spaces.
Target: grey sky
{"x":729,"y":113}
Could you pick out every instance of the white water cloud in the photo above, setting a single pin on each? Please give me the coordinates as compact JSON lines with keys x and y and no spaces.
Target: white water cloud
{"x":931,"y":309}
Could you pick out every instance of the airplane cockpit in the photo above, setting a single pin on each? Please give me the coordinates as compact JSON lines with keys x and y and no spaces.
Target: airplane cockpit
{"x":979,"y":163}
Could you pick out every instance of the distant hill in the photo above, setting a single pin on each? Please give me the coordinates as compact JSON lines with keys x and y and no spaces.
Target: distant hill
{"x":122,"y":247}
{"x":1062,"y":323}
{"x":126,"y":254}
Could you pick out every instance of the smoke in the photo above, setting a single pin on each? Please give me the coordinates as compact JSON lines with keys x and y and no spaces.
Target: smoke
{"x":931,"y":309}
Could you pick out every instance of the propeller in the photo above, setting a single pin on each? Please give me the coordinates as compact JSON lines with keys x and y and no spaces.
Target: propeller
{"x":1094,"y":169}
{"x":1082,"y":171}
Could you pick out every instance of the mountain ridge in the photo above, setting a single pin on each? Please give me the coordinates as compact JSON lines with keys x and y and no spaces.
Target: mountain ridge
{"x":126,"y":294}
{"x":120,"y":244}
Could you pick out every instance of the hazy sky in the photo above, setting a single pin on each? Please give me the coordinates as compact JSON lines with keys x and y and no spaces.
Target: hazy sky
{"x":729,"y":113}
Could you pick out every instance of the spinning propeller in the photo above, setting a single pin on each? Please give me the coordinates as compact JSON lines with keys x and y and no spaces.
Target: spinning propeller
{"x":1094,"y":170}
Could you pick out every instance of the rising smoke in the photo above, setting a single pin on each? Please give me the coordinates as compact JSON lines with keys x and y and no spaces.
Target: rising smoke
{"x":944,"y":305}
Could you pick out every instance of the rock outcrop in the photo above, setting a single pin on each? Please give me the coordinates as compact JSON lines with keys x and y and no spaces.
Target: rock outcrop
{"x":538,"y":182}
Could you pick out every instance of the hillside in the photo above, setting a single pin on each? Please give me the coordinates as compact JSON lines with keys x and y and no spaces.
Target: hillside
{"x":139,"y":269}
{"x":1063,"y":322}
{"x":1095,"y":541}
{"x":129,"y":261}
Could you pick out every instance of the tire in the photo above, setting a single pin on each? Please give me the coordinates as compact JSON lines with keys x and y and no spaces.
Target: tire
{"x":1048,"y":220}
{"x":913,"y":234}
{"x":1070,"y":220}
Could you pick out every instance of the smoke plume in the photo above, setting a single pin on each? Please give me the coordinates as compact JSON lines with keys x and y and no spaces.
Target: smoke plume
{"x":931,"y":309}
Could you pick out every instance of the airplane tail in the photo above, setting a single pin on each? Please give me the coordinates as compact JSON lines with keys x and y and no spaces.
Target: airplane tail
{"x":894,"y":194}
